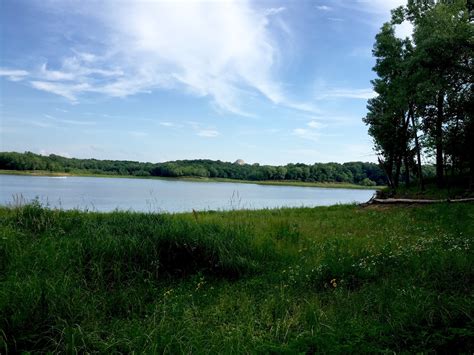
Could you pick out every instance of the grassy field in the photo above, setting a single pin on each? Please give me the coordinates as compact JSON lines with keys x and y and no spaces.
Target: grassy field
{"x":327,"y":279}
{"x":337,"y":185}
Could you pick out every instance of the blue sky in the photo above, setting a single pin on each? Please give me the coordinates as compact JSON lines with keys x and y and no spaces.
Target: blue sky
{"x":271,"y":82}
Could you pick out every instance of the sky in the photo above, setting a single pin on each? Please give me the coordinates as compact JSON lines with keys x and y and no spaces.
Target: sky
{"x":269,"y":82}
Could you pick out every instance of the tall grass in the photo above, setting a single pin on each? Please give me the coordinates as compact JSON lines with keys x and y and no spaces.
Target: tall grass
{"x":326,"y":279}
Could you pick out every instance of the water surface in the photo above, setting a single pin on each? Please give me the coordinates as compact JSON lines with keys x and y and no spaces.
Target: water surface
{"x":154,"y":195}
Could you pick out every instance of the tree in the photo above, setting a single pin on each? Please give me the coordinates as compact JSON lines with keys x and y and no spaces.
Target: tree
{"x":424,"y":84}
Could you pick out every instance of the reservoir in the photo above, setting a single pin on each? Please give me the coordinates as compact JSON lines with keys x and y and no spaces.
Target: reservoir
{"x":159,"y":195}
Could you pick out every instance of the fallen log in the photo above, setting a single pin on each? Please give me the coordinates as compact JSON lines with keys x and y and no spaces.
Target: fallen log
{"x":411,"y":201}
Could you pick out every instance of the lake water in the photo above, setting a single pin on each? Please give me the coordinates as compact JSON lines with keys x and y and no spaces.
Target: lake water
{"x":153,"y":195}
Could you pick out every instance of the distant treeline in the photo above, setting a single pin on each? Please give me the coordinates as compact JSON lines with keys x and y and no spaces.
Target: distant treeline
{"x":354,"y":172}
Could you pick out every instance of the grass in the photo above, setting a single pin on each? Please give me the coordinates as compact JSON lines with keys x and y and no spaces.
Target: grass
{"x":328,"y":279}
{"x":334,"y":185}
{"x":431,"y":192}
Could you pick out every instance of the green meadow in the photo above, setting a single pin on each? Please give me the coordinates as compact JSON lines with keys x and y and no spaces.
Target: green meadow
{"x":328,"y":279}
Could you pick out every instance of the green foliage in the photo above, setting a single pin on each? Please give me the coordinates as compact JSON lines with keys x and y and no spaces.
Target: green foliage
{"x":353,"y":172}
{"x":424,"y":85}
{"x":367,"y":182}
{"x":328,"y":279}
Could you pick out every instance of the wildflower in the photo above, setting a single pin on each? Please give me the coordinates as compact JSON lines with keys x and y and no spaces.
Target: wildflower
{"x":333,"y":283}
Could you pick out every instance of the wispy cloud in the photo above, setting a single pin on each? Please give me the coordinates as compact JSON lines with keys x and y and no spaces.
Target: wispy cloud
{"x":379,"y":6}
{"x":316,"y":124}
{"x":195,"y":127}
{"x":307,"y":133}
{"x":69,"y":121}
{"x":364,"y":94}
{"x":39,"y":123}
{"x":167,"y":124}
{"x":311,"y":131}
{"x":380,"y":13}
{"x":13,"y":74}
{"x":274,"y":10}
{"x":208,"y":133}
{"x":220,"y":50}
{"x":47,"y":152}
{"x":324,"y":8}
{"x":69,"y":91}
{"x":335,"y":120}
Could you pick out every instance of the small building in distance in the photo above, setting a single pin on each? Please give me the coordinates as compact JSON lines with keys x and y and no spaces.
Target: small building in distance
{"x":239,"y":162}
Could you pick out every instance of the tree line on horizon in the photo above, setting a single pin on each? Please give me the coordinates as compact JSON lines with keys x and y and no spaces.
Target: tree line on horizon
{"x":424,"y":106}
{"x":367,"y":174}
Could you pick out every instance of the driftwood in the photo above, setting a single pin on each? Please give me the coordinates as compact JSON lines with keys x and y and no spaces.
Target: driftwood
{"x":394,"y":201}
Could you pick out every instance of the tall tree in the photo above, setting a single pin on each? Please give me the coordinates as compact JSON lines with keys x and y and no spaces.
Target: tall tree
{"x":425,"y":80}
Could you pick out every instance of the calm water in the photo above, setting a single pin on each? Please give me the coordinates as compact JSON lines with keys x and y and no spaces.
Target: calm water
{"x":107,"y":194}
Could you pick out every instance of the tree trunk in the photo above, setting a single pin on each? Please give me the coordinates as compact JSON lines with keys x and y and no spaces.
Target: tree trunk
{"x":471,"y":173}
{"x":417,"y":147}
{"x":407,"y":169}
{"x":439,"y":140}
{"x":388,"y":173}
{"x":390,"y":170}
{"x":406,"y":123}
{"x":397,"y":171}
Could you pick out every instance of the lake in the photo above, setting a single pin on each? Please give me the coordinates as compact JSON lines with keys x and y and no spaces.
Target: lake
{"x":154,"y":195}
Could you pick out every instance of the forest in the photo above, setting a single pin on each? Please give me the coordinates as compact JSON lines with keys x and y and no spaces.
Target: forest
{"x":367,"y":174}
{"x":423,"y":111}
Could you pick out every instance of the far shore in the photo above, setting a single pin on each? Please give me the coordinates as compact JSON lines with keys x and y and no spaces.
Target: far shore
{"x":332,"y":185}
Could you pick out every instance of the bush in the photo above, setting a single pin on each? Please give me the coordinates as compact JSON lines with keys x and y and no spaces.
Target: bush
{"x":367,"y":182}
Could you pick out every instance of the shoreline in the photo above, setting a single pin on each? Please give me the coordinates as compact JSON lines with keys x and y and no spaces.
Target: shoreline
{"x":333,"y":185}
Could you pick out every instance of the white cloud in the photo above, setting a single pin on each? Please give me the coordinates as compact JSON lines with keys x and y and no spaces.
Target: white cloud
{"x":324,"y":8}
{"x":311,"y":132}
{"x":55,"y":75}
{"x":381,"y":9}
{"x":77,"y":122}
{"x":87,"y":57}
{"x":47,"y":152}
{"x":316,"y":124}
{"x":13,"y":74}
{"x":380,"y":6}
{"x":69,"y":91}
{"x":69,"y":121}
{"x":274,"y":10}
{"x":220,"y":50}
{"x":336,"y":120}
{"x":405,"y":29}
{"x":364,"y":94}
{"x":208,"y":133}
{"x":306,"y":133}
